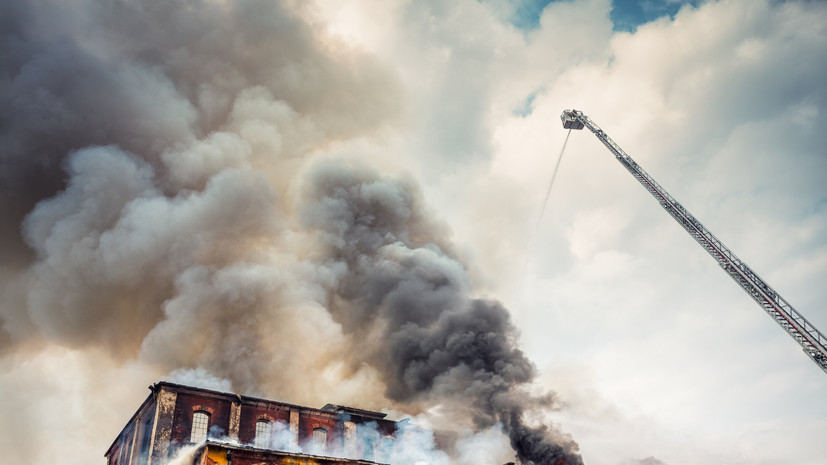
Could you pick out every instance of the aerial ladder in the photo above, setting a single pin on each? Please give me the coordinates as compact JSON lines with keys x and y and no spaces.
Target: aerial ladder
{"x":805,"y":334}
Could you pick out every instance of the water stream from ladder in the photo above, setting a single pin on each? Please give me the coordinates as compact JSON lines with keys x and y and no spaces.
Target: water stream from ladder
{"x":542,"y":212}
{"x":551,"y":183}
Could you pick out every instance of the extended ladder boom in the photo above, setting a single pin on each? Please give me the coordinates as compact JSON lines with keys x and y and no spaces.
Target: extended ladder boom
{"x":811,"y":340}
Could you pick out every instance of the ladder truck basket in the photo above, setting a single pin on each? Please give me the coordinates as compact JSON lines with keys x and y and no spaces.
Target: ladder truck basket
{"x":570,"y":120}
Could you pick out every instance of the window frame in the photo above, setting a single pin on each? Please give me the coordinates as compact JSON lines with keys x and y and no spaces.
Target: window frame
{"x":260,"y":440}
{"x":201,"y":427}
{"x":319,"y":441}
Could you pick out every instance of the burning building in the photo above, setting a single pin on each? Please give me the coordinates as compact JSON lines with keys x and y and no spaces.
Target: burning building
{"x":231,"y":428}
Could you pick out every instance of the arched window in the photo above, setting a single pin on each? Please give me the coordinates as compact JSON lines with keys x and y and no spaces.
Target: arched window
{"x":320,"y":441}
{"x":200,"y":426}
{"x":263,"y":430}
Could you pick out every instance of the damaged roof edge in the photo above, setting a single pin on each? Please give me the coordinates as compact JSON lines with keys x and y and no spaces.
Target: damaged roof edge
{"x":354,"y":411}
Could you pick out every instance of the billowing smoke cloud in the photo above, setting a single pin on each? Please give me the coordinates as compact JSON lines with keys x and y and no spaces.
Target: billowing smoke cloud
{"x":161,"y":126}
{"x":435,"y":342}
{"x":161,"y":201}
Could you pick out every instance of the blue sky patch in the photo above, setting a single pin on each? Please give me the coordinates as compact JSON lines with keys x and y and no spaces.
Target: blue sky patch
{"x":527,"y":13}
{"x":626,"y":15}
{"x":526,"y":107}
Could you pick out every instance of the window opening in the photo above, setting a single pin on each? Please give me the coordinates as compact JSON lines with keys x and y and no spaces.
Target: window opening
{"x":263,"y":431}
{"x":320,"y":441}
{"x":146,"y":438}
{"x":200,"y":425}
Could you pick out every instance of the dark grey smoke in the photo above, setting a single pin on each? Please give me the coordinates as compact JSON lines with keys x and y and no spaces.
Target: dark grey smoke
{"x":156,"y":203}
{"x":437,"y":342}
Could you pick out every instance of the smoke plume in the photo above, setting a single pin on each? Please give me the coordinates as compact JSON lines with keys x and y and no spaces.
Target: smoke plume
{"x":166,"y":197}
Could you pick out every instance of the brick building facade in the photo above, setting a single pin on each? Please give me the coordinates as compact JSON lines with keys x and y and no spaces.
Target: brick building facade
{"x":240,"y":430}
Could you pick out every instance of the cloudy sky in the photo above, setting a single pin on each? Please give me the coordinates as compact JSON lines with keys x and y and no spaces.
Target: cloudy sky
{"x":184,"y":189}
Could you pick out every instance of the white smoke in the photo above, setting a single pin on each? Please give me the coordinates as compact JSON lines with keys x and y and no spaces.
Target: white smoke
{"x":413,"y":443}
{"x":185,"y":455}
{"x":199,"y":377}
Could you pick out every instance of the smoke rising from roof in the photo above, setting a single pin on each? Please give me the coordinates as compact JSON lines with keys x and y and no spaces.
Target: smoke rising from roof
{"x":435,"y":342}
{"x":162,"y":201}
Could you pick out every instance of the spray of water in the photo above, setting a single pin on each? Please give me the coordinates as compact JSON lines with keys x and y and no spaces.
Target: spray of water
{"x":526,"y":257}
{"x":551,"y":182}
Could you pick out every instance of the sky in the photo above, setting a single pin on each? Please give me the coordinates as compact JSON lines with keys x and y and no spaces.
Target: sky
{"x":258,"y":195}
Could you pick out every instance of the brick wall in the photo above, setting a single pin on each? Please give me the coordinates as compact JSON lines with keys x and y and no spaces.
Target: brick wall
{"x":187,"y":404}
{"x":251,"y":413}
